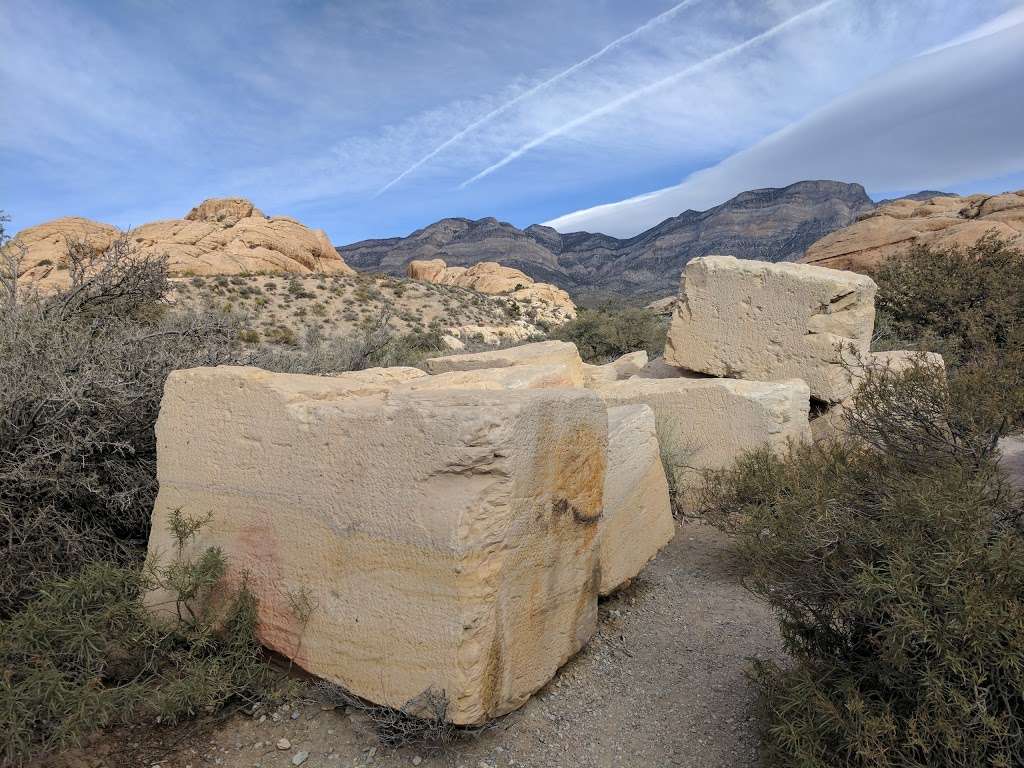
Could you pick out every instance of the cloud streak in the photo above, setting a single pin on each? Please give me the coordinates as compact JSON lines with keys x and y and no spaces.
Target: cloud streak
{"x":646,"y":90}
{"x":661,"y":18}
{"x":940,"y":119}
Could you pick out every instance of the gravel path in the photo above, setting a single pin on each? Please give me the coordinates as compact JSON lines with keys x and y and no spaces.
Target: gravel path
{"x":661,"y":684}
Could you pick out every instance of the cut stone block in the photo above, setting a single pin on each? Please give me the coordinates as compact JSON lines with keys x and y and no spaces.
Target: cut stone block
{"x":553,"y":376}
{"x":622,"y":368}
{"x":659,"y":369}
{"x":540,"y":353}
{"x":447,"y":538}
{"x":637,"y":519}
{"x":771,"y":322}
{"x":708,"y":423}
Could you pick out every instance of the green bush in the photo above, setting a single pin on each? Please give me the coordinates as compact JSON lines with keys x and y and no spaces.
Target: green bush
{"x":968,"y":305}
{"x":603,"y":334}
{"x":86,"y":653}
{"x":82,"y":372}
{"x":895,"y":562}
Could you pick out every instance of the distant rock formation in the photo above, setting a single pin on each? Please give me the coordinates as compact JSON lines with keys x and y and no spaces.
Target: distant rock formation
{"x":551,"y":303}
{"x":218,"y":237}
{"x":763,"y":224}
{"x":940,"y":221}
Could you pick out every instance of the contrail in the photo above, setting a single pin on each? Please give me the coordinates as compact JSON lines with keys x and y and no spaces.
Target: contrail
{"x":611,"y":106}
{"x":660,"y":18}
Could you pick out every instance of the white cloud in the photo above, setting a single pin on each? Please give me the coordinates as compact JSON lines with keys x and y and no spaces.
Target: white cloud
{"x":944,"y":118}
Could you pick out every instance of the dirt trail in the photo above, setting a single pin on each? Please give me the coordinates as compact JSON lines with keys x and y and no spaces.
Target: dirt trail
{"x":661,"y":684}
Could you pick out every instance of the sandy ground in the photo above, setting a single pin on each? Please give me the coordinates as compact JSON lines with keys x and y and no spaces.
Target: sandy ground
{"x":661,"y":684}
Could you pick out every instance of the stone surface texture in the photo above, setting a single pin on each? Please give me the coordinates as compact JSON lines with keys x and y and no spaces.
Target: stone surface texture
{"x":448,"y":539}
{"x":628,"y":365}
{"x":708,"y":423}
{"x":637,"y":519}
{"x":539,"y":353}
{"x":771,"y":322}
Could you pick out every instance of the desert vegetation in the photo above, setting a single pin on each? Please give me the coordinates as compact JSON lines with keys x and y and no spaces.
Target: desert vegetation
{"x":893,"y":554}
{"x":604,"y":333}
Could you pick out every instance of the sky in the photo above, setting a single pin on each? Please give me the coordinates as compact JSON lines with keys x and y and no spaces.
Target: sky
{"x":375,"y":118}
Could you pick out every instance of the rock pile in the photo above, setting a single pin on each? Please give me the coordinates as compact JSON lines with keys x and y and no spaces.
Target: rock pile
{"x":223,"y":236}
{"x":454,"y":529}
{"x":549,"y":303}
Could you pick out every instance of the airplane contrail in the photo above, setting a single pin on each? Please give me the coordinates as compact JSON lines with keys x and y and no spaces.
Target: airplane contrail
{"x":660,"y":18}
{"x":611,"y":106}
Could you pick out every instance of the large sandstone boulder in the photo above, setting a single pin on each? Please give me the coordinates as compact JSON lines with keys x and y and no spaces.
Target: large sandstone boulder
{"x":709,"y":423}
{"x":940,"y":221}
{"x":551,"y":303}
{"x":637,"y":519}
{"x":540,"y":353}
{"x":772,"y":322}
{"x":217,"y":237}
{"x":448,"y":539}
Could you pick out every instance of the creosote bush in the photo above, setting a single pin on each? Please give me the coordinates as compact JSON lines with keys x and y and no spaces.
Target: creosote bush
{"x":894,"y":558}
{"x":85,"y":653}
{"x":603,"y":334}
{"x":82,"y":371}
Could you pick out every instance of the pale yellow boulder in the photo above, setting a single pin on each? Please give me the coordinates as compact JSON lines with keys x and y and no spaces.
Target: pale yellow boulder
{"x":539,"y":353}
{"x":659,"y":369}
{"x":637,"y":519}
{"x":623,"y":367}
{"x":709,"y":423}
{"x":383,"y":377}
{"x":772,"y":322}
{"x":445,"y":539}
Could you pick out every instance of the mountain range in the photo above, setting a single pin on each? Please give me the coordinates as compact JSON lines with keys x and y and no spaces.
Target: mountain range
{"x":776,"y":224}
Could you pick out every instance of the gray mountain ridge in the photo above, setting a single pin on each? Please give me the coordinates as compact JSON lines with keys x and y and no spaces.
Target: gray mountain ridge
{"x":773,"y":224}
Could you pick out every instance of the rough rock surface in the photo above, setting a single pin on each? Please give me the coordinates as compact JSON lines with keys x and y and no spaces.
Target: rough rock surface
{"x":771,"y":322}
{"x":637,"y":519}
{"x":551,"y":303}
{"x":659,"y":369}
{"x":708,"y":423}
{"x":540,"y":353}
{"x":217,"y":237}
{"x":543,"y":376}
{"x":939,"y":221}
{"x":770,"y":224}
{"x":628,"y":365}
{"x":447,"y":539}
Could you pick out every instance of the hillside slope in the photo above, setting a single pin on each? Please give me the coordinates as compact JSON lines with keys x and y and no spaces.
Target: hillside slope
{"x":768,"y":224}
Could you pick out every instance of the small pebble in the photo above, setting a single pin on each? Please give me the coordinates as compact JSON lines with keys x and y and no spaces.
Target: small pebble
{"x":417,"y":760}
{"x":283,"y":744}
{"x":299,"y":758}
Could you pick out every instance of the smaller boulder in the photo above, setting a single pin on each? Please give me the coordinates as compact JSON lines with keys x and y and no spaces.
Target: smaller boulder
{"x":539,"y":353}
{"x":637,"y":518}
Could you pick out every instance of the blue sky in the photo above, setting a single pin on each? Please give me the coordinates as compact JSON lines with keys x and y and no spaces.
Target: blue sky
{"x":374,"y":118}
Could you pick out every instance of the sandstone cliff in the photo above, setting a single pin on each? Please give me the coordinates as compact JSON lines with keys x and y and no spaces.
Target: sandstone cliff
{"x":217,"y":237}
{"x":939,"y":221}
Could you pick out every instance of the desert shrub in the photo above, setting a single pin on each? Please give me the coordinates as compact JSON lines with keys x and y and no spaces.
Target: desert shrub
{"x":895,"y":561}
{"x":85,"y":653}
{"x":81,"y":376}
{"x":968,"y":305}
{"x":606,"y":333}
{"x":374,"y":344}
